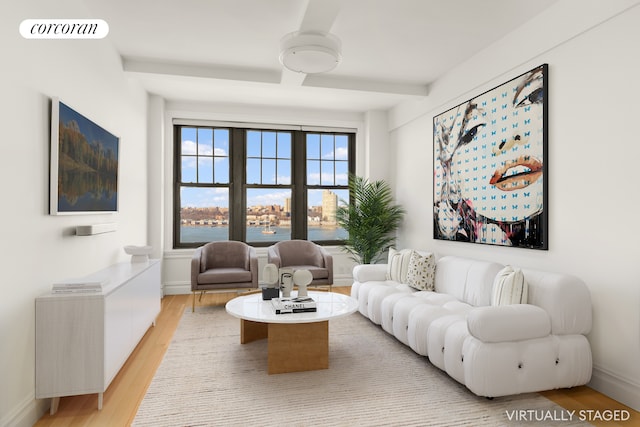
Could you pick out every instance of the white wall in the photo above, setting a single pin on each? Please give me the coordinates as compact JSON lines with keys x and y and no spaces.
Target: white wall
{"x":38,"y":249}
{"x":593,"y":153}
{"x":376,"y":146}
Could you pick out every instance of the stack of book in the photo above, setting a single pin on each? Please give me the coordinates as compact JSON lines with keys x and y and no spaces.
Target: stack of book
{"x":293,"y":305}
{"x":77,"y":286}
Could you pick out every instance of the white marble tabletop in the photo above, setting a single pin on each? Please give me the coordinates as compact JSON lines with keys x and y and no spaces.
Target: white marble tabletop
{"x":329,"y":305}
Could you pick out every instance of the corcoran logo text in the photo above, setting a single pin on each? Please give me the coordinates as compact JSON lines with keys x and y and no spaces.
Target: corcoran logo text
{"x":64,"y":29}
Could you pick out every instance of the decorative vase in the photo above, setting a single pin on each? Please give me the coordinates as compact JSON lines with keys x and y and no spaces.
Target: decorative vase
{"x":286,"y":281}
{"x":138,"y":253}
{"x":302,"y":278}
{"x":270,"y":286}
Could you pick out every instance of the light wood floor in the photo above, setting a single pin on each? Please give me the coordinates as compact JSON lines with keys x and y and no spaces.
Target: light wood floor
{"x":122,"y":398}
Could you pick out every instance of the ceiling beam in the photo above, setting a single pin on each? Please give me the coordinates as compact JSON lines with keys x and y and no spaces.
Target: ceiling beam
{"x":269,"y":76}
{"x":207,"y":71}
{"x":379,"y":86}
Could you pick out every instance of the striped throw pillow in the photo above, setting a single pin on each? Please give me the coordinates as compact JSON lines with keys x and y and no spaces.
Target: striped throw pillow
{"x":509,"y":287}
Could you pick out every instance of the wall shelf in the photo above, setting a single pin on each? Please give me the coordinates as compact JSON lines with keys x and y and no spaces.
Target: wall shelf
{"x":91,"y":229}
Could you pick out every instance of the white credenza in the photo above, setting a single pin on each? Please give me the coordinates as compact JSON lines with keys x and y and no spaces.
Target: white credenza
{"x":83,"y":339}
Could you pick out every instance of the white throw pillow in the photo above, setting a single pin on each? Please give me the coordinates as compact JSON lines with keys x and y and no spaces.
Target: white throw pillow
{"x":509,"y":287}
{"x":390,"y":262}
{"x":421,"y":273}
{"x":398,"y":265}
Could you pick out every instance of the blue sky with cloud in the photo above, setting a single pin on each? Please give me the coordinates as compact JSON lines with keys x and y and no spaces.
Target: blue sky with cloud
{"x":206,"y":159}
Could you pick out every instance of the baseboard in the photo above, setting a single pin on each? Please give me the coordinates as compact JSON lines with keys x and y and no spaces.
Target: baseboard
{"x":27,"y":413}
{"x":182,"y":287}
{"x":616,"y":387}
{"x":176,"y":288}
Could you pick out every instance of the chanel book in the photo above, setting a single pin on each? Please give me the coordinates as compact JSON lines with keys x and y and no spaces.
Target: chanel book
{"x":293,"y":305}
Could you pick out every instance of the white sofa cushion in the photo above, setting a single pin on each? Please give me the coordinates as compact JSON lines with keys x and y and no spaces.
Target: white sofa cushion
{"x":509,"y":287}
{"x":418,"y":323}
{"x":398,"y":265}
{"x":468,"y":280}
{"x":565,"y":297}
{"x":421,"y":273}
{"x":515,"y":322}
{"x":378,"y":294}
{"x":370,"y":272}
{"x":363,"y":294}
{"x":556,"y":361}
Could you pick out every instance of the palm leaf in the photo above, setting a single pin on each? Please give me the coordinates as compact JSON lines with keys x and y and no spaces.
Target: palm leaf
{"x":371,"y":219}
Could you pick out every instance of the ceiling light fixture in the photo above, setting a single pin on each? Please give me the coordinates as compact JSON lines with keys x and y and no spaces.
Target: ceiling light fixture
{"x":310,"y":52}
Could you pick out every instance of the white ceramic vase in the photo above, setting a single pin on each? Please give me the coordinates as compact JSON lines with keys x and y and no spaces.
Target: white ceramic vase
{"x":286,"y":281}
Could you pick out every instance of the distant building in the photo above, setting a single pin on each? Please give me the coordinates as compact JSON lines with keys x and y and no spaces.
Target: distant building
{"x":329,"y":206}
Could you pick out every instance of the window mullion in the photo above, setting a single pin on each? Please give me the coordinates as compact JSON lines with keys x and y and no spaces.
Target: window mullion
{"x":237,"y":185}
{"x":334,"y":159}
{"x":299,"y":186}
{"x":177,"y":170}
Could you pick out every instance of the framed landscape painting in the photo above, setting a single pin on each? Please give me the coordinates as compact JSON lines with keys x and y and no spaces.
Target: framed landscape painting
{"x":84,"y":164}
{"x":490,"y":157}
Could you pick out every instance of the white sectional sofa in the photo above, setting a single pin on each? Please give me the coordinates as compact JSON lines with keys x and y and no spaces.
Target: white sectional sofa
{"x":494,"y":350}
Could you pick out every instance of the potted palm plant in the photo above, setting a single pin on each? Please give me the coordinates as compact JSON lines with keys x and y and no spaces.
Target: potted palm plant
{"x":371,"y":219}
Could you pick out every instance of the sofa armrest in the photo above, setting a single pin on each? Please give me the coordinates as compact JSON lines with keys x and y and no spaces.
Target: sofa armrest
{"x":565,"y":297}
{"x":514,"y":322}
{"x":273,"y":256}
{"x":195,"y":267}
{"x":327,"y":261}
{"x":368,"y":272}
{"x":253,"y":266}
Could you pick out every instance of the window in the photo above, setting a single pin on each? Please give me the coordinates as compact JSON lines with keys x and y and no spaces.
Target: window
{"x":268,"y":180}
{"x":259,"y":185}
{"x":327,"y":176}
{"x":203,"y":199}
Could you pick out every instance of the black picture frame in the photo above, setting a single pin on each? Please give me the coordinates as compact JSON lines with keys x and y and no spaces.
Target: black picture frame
{"x":490,"y":166}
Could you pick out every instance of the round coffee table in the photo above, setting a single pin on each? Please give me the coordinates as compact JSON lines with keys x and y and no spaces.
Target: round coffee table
{"x":295,"y":341}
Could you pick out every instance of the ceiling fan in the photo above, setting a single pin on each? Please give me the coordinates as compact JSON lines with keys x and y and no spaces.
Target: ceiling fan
{"x":312,"y":49}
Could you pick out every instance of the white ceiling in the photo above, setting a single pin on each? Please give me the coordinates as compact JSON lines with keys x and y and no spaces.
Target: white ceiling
{"x":226,"y":51}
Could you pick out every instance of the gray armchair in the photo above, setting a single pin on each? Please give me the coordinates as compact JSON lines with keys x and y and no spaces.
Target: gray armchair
{"x":303,"y":254}
{"x":227,"y":265}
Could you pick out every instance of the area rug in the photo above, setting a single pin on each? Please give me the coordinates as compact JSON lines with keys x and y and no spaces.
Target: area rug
{"x":207,"y":378}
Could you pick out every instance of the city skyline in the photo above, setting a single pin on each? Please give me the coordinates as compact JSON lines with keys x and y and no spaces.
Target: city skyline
{"x":279,"y":212}
{"x":198,"y":197}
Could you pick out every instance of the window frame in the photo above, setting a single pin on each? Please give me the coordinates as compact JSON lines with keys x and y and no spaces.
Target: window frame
{"x":351,"y":153}
{"x":247,"y":186}
{"x":238,"y":180}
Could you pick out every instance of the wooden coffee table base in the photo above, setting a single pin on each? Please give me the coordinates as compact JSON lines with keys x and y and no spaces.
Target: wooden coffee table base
{"x":292,"y":347}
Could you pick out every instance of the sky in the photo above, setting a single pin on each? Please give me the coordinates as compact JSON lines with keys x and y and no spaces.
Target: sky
{"x":205,"y":159}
